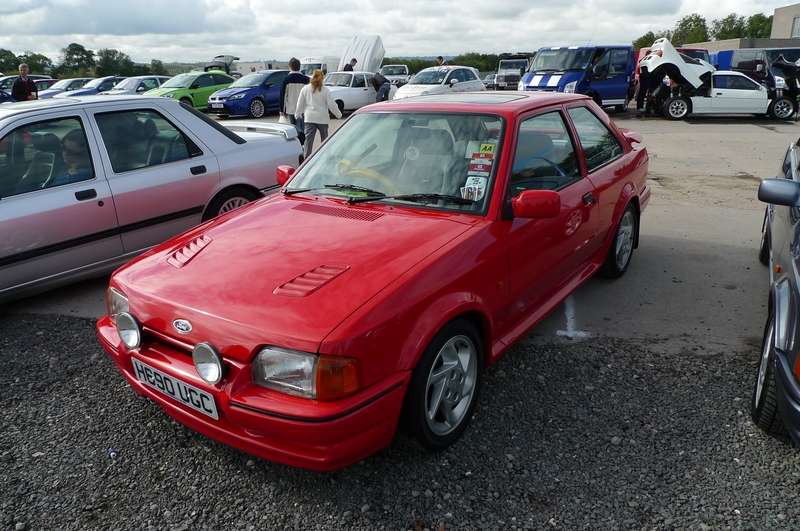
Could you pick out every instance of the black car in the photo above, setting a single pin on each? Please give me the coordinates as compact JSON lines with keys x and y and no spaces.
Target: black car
{"x":775,"y":404}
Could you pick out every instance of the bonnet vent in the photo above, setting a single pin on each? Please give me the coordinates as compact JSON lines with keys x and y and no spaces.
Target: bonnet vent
{"x":308,"y":283}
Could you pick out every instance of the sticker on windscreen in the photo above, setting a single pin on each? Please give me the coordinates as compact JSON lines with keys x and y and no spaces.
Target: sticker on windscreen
{"x":487,"y":148}
{"x":475,"y":188}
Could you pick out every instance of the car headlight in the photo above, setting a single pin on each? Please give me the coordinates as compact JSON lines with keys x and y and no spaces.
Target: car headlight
{"x":169,"y":95}
{"x":208,"y":363}
{"x":780,"y":83}
{"x":307,"y":375}
{"x":236,"y":97}
{"x":128,"y":330}
{"x":116,"y":303}
{"x":570,"y":87}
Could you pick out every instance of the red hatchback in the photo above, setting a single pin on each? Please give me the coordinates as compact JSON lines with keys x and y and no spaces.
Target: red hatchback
{"x":406,"y":255}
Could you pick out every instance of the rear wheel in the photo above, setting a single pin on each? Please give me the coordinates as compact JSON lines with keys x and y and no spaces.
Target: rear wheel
{"x":230,"y":199}
{"x":764,"y":404}
{"x":676,"y":108}
{"x":257,"y":108}
{"x":782,"y":108}
{"x":621,"y":251}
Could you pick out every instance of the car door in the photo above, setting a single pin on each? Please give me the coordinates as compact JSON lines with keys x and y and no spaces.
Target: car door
{"x":148,"y":83}
{"x":56,"y":211}
{"x":605,"y":160}
{"x":202,"y":88}
{"x":161,"y":174}
{"x":471,"y":81}
{"x":610,"y":76}
{"x":546,"y":253}
{"x":272,"y":90}
{"x":737,"y":94}
{"x":359,"y":92}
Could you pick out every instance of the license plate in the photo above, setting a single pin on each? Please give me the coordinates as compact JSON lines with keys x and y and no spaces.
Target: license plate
{"x":216,"y":105}
{"x":184,"y":393}
{"x":501,"y":84}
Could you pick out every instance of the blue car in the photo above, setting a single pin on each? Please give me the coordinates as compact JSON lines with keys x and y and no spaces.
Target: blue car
{"x":253,"y":95}
{"x":603,"y":72}
{"x":95,"y":86}
{"x":5,"y":97}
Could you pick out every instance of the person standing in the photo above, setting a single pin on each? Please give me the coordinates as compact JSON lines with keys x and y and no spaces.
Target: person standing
{"x":292,"y":84}
{"x":382,"y":87}
{"x":24,"y":89}
{"x":349,"y":66}
{"x":440,"y":61}
{"x":314,"y":105}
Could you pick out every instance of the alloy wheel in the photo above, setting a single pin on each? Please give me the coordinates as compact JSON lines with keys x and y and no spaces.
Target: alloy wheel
{"x":678,"y":109}
{"x":451,"y":385}
{"x":232,"y":204}
{"x":783,"y":109}
{"x":257,"y":109}
{"x":624,"y":241}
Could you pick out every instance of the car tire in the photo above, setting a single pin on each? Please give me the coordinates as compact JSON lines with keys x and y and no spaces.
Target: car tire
{"x":621,"y":252}
{"x":340,"y":104}
{"x":449,"y":372}
{"x":257,"y":108}
{"x":230,"y":199}
{"x":766,"y":243}
{"x":676,"y":108}
{"x":187,"y":101}
{"x":764,"y":403}
{"x":782,"y":108}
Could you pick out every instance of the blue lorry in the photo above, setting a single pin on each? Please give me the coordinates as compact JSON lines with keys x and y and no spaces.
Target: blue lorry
{"x":603,"y":72}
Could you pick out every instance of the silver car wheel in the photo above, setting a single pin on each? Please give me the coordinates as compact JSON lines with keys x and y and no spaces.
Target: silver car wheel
{"x":678,"y":109}
{"x":624,"y":241}
{"x":232,"y":204}
{"x":783,"y":109}
{"x":766,"y":355}
{"x":451,"y":385}
{"x":257,"y":109}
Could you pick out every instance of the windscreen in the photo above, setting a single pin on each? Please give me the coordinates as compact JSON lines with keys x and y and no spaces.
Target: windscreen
{"x":516,"y":64}
{"x":180,"y":81}
{"x":95,"y":82}
{"x":562,"y":59}
{"x":338,"y":80}
{"x":394,"y":70}
{"x":431,"y":160}
{"x":127,"y":84}
{"x":429,"y":76}
{"x":63,"y":84}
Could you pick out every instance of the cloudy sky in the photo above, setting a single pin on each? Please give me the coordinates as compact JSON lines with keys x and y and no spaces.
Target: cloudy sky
{"x":193,"y":30}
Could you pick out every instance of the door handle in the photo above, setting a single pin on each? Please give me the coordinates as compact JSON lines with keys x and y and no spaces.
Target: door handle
{"x":83,"y":195}
{"x":588,"y":198}
{"x":719,"y":93}
{"x":197,"y":170}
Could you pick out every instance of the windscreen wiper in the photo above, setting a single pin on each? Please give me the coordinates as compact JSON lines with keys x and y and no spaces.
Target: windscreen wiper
{"x":353,"y":187}
{"x":416,"y":198}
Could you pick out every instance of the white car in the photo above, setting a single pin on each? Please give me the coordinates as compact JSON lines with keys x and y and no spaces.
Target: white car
{"x":396,"y":74}
{"x":136,"y":85}
{"x":86,"y":183}
{"x":441,"y":80}
{"x":352,"y":90}
{"x":729,"y":93}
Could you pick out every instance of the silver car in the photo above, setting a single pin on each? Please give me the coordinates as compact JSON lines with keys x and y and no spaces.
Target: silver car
{"x":136,"y":85}
{"x":87,"y":183}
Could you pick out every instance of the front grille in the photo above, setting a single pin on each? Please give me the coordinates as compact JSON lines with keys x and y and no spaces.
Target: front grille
{"x":154,"y":338}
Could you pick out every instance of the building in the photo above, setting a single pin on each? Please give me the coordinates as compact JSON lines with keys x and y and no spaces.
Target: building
{"x":786,"y":22}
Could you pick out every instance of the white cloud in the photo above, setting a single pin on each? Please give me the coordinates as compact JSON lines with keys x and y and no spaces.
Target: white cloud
{"x":266,"y":29}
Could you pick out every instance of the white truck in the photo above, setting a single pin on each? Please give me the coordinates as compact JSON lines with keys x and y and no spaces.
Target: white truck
{"x":326,"y":64}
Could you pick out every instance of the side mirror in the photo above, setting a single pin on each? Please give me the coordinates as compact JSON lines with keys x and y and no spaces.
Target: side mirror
{"x":283,"y":174}
{"x":453,"y":81}
{"x":536,"y":204}
{"x":779,"y":192}
{"x":140,"y":89}
{"x":632,"y":136}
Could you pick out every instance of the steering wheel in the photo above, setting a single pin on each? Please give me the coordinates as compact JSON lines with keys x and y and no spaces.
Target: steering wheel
{"x":561,"y":172}
{"x":345,"y":169}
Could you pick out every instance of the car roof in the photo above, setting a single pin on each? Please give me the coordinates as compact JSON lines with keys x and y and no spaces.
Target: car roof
{"x":585,"y":47}
{"x":352,"y":72}
{"x":53,"y":104}
{"x":489,"y":102}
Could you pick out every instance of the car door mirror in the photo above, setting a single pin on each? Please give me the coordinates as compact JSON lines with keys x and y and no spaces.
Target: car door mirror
{"x":283,"y":174}
{"x":779,"y":192}
{"x":141,"y":89}
{"x":536,"y":204}
{"x":453,"y":81}
{"x":759,"y":67}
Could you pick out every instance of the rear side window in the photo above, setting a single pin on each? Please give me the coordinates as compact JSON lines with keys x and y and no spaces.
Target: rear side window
{"x":142,"y":138}
{"x":734,"y":82}
{"x":358,"y":81}
{"x":44,"y":155}
{"x":599,"y":144}
{"x":545,"y":158}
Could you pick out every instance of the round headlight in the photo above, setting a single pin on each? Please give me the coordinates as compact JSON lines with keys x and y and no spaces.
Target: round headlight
{"x":208,"y":363}
{"x":128,"y":330}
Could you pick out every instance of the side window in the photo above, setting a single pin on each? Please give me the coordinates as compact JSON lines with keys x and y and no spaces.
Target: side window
{"x":619,"y":62}
{"x":469,"y":75}
{"x":599,"y":144}
{"x":601,"y":64}
{"x":277,"y":79}
{"x":219,"y":79}
{"x":149,"y":83}
{"x":108,"y":85}
{"x":545,"y":158}
{"x":358,"y":81}
{"x":44,"y":155}
{"x":734,"y":82}
{"x":142,"y":138}
{"x":204,"y":81}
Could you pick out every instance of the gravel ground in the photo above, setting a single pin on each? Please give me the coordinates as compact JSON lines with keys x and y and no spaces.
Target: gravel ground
{"x":601,"y":434}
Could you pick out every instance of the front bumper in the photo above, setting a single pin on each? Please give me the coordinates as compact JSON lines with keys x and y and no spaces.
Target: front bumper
{"x":239,"y":107}
{"x":788,"y":392}
{"x":321,"y":436}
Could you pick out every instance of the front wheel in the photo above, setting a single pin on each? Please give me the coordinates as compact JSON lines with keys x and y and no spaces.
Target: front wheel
{"x":444,"y":387}
{"x":764,"y":404}
{"x":621,"y":251}
{"x":676,"y":108}
{"x":228,"y":200}
{"x":257,"y":108}
{"x":782,"y":108}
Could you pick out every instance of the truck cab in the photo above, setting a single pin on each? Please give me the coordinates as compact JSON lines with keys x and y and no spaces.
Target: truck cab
{"x":510,"y":70}
{"x":603,"y":72}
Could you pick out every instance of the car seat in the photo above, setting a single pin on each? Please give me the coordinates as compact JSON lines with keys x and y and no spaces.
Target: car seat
{"x":45,"y":163}
{"x":425,"y":161}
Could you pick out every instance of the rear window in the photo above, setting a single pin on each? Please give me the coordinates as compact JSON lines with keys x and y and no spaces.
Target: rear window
{"x":230,"y":135}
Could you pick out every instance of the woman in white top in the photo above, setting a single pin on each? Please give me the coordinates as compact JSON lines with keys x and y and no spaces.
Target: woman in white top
{"x":313,"y":105}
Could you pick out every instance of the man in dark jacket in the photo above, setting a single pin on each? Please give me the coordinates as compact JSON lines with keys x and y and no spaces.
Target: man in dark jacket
{"x":349,"y":66}
{"x":382,"y":87}
{"x":290,"y":91}
{"x":24,"y":88}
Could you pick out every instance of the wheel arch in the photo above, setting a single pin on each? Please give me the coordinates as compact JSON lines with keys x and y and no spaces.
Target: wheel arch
{"x":224,"y":189}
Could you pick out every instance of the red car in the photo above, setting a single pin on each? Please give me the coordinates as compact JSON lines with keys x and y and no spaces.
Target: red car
{"x":405,"y":256}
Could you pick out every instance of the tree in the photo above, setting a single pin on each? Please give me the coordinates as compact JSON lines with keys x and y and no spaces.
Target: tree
{"x":483,"y":62}
{"x":157,"y":68}
{"x":76,"y":57}
{"x":758,"y":26}
{"x":730,"y":27}
{"x":37,"y":62}
{"x":690,"y":29}
{"x":8,"y":61}
{"x":112,"y":62}
{"x":645,"y":41}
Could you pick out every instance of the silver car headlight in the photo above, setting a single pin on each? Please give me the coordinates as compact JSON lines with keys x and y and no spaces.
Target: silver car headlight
{"x":570,"y":87}
{"x":129,"y":331}
{"x":116,"y":303}
{"x":287,"y":371}
{"x":208,"y":363}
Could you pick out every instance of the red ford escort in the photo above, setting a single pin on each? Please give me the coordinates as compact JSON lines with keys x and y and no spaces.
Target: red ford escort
{"x":404,"y":257}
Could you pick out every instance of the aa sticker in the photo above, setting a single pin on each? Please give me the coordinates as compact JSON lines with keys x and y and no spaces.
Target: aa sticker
{"x":487,"y":148}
